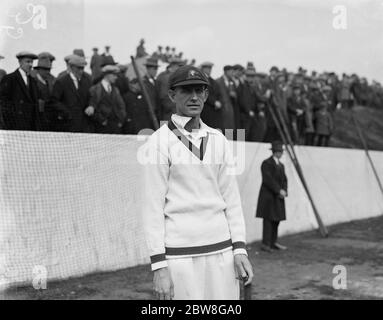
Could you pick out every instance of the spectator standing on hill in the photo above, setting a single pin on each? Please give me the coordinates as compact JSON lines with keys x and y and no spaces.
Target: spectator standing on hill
{"x":323,"y":126}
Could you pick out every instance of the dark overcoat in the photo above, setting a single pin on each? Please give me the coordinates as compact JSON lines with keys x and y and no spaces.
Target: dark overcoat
{"x":270,"y":205}
{"x":18,"y":102}
{"x":70,"y":104}
{"x":210,"y":115}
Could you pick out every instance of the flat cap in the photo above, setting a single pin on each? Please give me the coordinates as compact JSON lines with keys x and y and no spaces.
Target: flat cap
{"x":176,"y":60}
{"x":238,"y":67}
{"x":250,"y":72}
{"x":77,"y":61}
{"x":43,"y":64}
{"x":151,"y":62}
{"x":227,"y":67}
{"x":69,"y":56}
{"x":206,"y":64}
{"x":187,"y":75}
{"x":274,"y":68}
{"x":110,"y":69}
{"x":26,"y":54}
{"x":46,"y":55}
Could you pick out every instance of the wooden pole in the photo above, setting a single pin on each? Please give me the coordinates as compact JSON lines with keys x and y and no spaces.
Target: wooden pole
{"x":145,"y":94}
{"x":285,"y":135}
{"x":365,"y":146}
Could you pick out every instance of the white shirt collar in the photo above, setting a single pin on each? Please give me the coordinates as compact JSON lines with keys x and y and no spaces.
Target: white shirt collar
{"x":181,"y":121}
{"x":24,"y":75}
{"x":106,"y":85}
{"x":276,"y":160}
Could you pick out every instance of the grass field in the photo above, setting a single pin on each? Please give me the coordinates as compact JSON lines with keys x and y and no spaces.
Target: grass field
{"x":304,"y":271}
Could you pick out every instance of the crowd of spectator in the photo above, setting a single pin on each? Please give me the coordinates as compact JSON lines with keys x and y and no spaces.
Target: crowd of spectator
{"x":107,"y":101}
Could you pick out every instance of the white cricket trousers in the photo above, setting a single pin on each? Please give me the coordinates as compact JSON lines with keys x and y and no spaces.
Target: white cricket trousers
{"x":208,"y":277}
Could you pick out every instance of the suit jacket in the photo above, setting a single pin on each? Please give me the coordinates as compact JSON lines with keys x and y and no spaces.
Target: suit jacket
{"x":70,"y":103}
{"x":228,"y":112}
{"x":210,"y":115}
{"x":109,"y":108}
{"x":270,"y":205}
{"x":138,"y":112}
{"x":19,"y":104}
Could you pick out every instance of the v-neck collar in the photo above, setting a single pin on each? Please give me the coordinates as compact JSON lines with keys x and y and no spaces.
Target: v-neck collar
{"x":198,"y":152}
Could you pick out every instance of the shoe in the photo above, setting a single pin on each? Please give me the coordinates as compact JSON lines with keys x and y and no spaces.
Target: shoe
{"x":266,"y":248}
{"x":278,"y":246}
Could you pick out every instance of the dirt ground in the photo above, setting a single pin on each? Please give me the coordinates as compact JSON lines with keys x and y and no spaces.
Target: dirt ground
{"x":304,"y":271}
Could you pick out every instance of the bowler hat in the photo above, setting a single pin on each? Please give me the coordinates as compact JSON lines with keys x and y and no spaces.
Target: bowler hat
{"x":26,"y":54}
{"x":277,"y":146}
{"x":79,"y":52}
{"x":108,"y":60}
{"x":187,"y":75}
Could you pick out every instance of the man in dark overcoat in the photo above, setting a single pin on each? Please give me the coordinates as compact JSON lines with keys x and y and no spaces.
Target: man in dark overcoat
{"x":271,"y":200}
{"x":19,"y":96}
{"x":106,"y":106}
{"x":70,"y":98}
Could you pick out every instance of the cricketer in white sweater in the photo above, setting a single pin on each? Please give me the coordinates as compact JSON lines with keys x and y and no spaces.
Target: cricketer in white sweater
{"x":192,"y":205}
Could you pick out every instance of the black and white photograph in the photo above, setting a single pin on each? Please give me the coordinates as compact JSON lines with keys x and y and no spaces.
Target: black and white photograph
{"x":217,"y":151}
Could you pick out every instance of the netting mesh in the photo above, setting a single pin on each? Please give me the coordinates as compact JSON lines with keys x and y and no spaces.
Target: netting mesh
{"x":69,"y":202}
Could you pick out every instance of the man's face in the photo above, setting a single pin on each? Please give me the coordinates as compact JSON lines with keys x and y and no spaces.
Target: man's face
{"x":77,"y":71}
{"x":111,"y":77}
{"x":152,"y":71}
{"x":134,"y":86}
{"x":26,"y":64}
{"x":229,"y":73}
{"x":189,"y":100}
{"x":43,"y":72}
{"x":278,"y":154}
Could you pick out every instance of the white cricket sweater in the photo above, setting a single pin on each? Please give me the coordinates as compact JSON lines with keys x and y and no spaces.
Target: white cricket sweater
{"x":191,"y":207}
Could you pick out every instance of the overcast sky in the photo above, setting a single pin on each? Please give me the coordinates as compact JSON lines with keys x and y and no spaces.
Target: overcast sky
{"x":286,"y":33}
